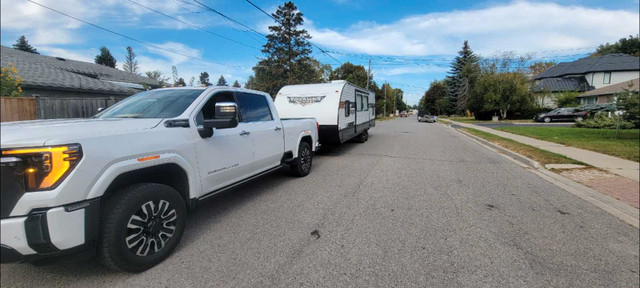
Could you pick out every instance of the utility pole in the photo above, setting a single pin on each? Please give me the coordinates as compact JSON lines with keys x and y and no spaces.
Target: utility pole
{"x":385,"y":99}
{"x":368,"y":73}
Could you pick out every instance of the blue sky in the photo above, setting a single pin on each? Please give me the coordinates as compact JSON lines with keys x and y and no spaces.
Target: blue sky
{"x":409,"y":42}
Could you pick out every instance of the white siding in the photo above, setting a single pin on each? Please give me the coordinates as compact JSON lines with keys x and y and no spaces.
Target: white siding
{"x":348,"y":94}
{"x":597,"y":79}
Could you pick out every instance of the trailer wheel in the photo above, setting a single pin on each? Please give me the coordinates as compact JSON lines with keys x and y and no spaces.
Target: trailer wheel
{"x":141,"y":226}
{"x":363,"y":137}
{"x":302,"y":165}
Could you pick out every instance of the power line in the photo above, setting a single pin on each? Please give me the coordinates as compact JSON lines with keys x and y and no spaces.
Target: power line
{"x":227,"y":17}
{"x":194,"y":26}
{"x":314,"y":45}
{"x":254,"y":5}
{"x":133,"y":39}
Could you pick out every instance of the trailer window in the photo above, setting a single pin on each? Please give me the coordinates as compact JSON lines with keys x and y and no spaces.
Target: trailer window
{"x":347,"y":108}
{"x":365,"y":103}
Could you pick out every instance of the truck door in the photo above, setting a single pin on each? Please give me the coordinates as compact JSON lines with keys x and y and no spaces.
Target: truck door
{"x":227,"y":156}
{"x":267,"y":132}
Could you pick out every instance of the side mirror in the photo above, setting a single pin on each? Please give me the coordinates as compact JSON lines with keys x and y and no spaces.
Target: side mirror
{"x":100,"y":109}
{"x":226,"y":116}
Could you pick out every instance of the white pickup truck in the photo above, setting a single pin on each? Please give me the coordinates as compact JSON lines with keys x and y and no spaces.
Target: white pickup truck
{"x":120,"y":185}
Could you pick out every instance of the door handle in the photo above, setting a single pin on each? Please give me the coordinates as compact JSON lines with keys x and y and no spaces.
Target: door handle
{"x":244,"y":133}
{"x":277,"y":129}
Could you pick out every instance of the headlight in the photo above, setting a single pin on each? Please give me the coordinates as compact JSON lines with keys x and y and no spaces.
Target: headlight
{"x":46,"y":167}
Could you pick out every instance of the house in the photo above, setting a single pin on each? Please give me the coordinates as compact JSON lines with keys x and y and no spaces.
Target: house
{"x":66,"y":88}
{"x":584,"y":75}
{"x":606,"y":94}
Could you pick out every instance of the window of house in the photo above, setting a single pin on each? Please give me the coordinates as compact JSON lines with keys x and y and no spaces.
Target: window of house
{"x":607,"y":78}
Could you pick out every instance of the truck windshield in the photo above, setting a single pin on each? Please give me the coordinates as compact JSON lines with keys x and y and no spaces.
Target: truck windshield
{"x":166,"y":103}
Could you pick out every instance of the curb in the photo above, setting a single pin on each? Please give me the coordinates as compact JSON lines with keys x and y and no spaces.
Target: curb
{"x":621,"y":210}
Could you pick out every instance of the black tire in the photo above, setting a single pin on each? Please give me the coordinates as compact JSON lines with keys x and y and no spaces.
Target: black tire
{"x":302,"y":165}
{"x":363,"y":137}
{"x":546,"y":119}
{"x":127,"y":208}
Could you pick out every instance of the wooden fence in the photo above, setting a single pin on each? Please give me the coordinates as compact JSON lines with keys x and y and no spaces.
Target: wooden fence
{"x":72,"y":107}
{"x":17,"y":109}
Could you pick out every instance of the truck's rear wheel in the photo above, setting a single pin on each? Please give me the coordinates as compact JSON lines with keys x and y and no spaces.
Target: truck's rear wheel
{"x":141,"y":225}
{"x":302,"y":165}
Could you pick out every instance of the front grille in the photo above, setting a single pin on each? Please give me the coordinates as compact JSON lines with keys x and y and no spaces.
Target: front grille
{"x":11,"y":184}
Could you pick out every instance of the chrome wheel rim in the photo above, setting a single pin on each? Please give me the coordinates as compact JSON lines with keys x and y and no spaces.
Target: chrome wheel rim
{"x":149,"y":229}
{"x":305,"y":159}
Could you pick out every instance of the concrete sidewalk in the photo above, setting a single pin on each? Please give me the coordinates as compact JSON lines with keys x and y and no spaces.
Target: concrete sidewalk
{"x":615,"y":165}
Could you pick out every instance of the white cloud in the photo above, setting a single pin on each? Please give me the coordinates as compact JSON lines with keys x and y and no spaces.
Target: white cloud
{"x":517,"y":26}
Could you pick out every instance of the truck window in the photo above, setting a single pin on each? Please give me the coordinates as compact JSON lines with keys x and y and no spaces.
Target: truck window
{"x":254,"y":107}
{"x":208,"y":110}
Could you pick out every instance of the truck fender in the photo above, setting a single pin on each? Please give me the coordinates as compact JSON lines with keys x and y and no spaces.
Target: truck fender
{"x":100,"y":187}
{"x":305,"y":133}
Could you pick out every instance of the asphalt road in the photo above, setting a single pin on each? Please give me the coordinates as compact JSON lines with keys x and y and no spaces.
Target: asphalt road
{"x":419,"y":205}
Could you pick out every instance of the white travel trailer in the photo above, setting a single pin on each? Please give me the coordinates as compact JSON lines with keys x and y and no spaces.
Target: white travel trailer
{"x":343,"y":110}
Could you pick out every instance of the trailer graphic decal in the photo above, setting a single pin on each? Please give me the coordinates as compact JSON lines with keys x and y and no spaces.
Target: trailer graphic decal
{"x":304,"y":101}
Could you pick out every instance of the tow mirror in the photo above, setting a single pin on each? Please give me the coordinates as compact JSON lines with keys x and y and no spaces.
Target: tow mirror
{"x":226,"y":116}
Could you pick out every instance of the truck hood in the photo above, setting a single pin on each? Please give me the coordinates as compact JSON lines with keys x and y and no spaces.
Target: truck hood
{"x":39,"y":132}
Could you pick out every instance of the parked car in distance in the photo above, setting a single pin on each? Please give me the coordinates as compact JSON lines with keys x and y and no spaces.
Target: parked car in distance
{"x":403,"y":114}
{"x":561,"y":114}
{"x":424,"y":116}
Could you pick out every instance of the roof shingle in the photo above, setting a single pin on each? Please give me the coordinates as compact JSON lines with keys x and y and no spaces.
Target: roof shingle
{"x":611,"y":89}
{"x":606,"y":63}
{"x":39,"y":71}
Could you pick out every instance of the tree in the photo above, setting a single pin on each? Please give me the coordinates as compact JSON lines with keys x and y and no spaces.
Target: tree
{"x":130,"y":64}
{"x":105,"y":58}
{"x":567,"y":99}
{"x":461,"y":78}
{"x":503,"y":92}
{"x":628,"y":101}
{"x":193,"y":79}
{"x":251,"y":82}
{"x":10,"y":82}
{"x":156,"y":75}
{"x":355,"y":74}
{"x":23,"y":44}
{"x":222,"y":81}
{"x":287,"y":54}
{"x":236,"y":84}
{"x":437,"y":90}
{"x":630,"y":46}
{"x":540,"y":66}
{"x":174,"y":74}
{"x":180,"y":83}
{"x":204,"y":79}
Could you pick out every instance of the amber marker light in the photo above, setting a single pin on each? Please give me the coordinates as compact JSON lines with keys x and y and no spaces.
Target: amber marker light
{"x":148,"y":158}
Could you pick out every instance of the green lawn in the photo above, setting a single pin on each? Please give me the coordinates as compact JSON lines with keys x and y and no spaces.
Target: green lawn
{"x":626,"y":146}
{"x":541,"y":156}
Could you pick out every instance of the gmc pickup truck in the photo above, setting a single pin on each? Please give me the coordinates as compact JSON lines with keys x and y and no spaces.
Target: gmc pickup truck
{"x":120,"y":185}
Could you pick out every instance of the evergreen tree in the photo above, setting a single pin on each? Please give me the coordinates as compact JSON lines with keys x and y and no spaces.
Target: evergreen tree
{"x":204,"y":79}
{"x":174,"y":74}
{"x":105,"y":58}
{"x":222,"y":81}
{"x":460,"y":79}
{"x":193,"y":79}
{"x":180,"y":83}
{"x":630,"y":46}
{"x":130,"y":64}
{"x":236,"y":84}
{"x":23,"y":44}
{"x":287,"y":52}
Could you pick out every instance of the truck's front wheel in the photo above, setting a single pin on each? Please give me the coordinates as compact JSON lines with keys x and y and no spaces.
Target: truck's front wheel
{"x":302,"y":165}
{"x":142,"y":224}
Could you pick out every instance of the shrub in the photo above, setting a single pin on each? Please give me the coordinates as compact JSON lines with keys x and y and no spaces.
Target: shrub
{"x":10,"y":82}
{"x":629,"y":102}
{"x":601,"y":121}
{"x":567,"y":99}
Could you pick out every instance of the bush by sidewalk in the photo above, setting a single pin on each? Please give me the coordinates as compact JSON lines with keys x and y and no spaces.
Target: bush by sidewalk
{"x":601,"y":121}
